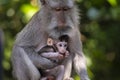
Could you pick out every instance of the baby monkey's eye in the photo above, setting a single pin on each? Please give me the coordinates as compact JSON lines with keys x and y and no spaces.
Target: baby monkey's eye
{"x":60,"y":45}
{"x":65,"y":45}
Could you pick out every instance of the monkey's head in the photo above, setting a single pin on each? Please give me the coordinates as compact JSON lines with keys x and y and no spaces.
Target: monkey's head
{"x":62,"y":47}
{"x":62,"y":44}
{"x":59,"y":16}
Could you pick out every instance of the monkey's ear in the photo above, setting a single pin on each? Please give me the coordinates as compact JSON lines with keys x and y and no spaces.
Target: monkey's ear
{"x":42,"y":2}
{"x":50,"y":42}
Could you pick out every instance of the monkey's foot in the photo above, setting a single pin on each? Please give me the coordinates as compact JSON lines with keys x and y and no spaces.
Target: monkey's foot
{"x":44,"y":78}
{"x":50,"y":78}
{"x":69,"y":79}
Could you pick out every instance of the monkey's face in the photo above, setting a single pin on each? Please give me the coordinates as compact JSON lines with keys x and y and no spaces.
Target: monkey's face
{"x":61,"y":46}
{"x":59,"y":16}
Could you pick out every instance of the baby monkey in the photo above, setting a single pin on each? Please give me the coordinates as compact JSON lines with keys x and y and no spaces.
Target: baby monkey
{"x":55,"y":51}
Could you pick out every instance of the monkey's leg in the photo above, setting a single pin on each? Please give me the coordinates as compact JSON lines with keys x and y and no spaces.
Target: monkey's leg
{"x":23,"y":68}
{"x":58,"y":72}
{"x":61,"y":72}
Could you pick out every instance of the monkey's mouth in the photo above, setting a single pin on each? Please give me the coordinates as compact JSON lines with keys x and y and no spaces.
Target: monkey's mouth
{"x":63,"y":54}
{"x":58,"y":33}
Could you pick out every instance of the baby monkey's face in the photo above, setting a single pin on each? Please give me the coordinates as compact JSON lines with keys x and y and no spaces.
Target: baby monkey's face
{"x":62,"y":46}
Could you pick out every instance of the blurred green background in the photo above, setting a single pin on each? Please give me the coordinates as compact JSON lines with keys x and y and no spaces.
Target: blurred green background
{"x":100,"y":28}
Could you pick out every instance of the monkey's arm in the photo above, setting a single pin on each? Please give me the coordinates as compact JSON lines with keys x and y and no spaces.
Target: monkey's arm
{"x":38,"y":60}
{"x":79,"y":62}
{"x":68,"y":67}
{"x":25,"y":62}
{"x":32,"y":37}
{"x":51,"y":54}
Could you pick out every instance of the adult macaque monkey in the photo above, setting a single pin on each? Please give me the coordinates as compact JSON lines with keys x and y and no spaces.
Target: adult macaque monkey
{"x":56,"y":18}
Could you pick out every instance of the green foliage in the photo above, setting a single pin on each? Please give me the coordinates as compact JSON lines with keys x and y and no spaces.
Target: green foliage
{"x":28,"y":10}
{"x":112,"y":2}
{"x":100,"y":25}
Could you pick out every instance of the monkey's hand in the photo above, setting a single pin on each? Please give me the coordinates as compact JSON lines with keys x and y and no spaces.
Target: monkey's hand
{"x":60,"y":56}
{"x":66,"y":53}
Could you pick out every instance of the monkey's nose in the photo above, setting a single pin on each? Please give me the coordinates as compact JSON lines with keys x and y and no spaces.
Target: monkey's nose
{"x":62,"y":52}
{"x":61,"y":24}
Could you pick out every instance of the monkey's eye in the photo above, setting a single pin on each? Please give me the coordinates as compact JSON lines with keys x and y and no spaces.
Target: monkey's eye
{"x":65,"y":9}
{"x":58,"y":9}
{"x":65,"y":45}
{"x":60,"y":45}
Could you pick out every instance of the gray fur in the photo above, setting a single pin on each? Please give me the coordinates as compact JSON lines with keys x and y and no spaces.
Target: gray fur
{"x":44,"y":24}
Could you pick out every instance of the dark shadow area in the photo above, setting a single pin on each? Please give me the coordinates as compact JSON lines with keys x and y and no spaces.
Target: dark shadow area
{"x":1,"y":54}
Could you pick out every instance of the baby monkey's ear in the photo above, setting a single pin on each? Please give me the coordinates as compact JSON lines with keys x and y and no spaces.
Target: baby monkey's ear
{"x":50,"y":42}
